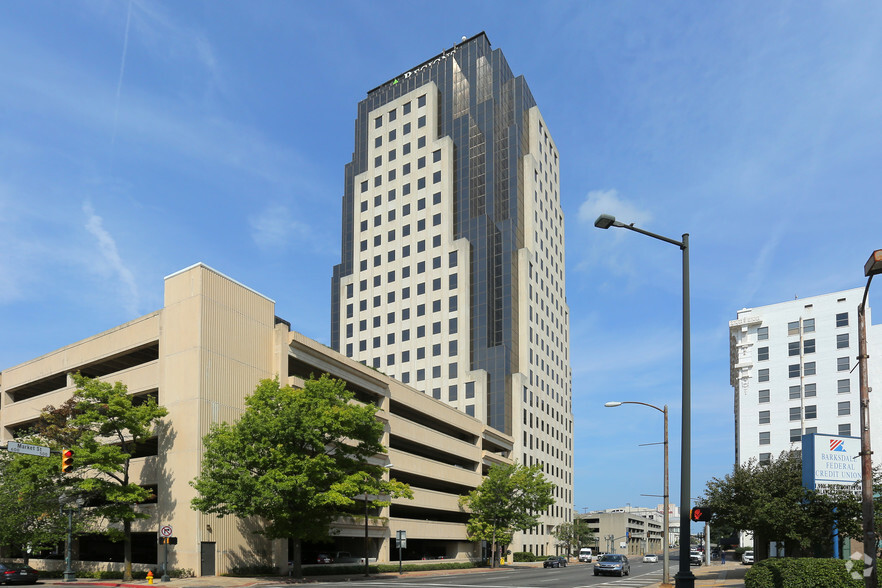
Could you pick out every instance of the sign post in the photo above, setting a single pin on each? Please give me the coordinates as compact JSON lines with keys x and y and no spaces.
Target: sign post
{"x":165,"y":532}
{"x":401,"y":543}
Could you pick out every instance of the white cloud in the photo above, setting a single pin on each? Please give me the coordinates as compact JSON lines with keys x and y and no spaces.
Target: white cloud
{"x":113,"y":263}
{"x":608,"y":202}
{"x":273,"y":228}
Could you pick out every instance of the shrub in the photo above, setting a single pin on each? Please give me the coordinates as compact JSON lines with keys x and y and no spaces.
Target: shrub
{"x":523,"y":556}
{"x":254,"y":570}
{"x":805,"y":572}
{"x":739,"y":551}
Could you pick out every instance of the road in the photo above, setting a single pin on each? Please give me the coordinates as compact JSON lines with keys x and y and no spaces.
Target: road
{"x":572,"y":576}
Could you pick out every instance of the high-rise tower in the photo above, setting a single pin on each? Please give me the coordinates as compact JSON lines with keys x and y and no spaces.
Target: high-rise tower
{"x":452,"y":270}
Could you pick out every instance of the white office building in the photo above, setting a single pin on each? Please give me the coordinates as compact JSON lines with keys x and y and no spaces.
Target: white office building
{"x":452,"y":269}
{"x":793,"y":370}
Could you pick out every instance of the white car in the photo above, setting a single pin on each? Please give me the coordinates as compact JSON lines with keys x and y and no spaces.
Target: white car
{"x":747,"y":558}
{"x":585,"y":554}
{"x":650,"y":558}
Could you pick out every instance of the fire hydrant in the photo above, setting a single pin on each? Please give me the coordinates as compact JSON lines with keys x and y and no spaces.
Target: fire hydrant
{"x":150,"y":577}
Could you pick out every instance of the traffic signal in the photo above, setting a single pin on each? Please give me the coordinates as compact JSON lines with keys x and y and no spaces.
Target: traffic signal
{"x":700,"y":514}
{"x":67,"y":456}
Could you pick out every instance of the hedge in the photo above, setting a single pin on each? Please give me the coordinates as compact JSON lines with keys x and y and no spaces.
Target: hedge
{"x":523,"y":556}
{"x":805,"y":572}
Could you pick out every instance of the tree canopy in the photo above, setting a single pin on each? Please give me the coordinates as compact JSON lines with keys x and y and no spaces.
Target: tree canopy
{"x":105,"y":428}
{"x":574,"y":535}
{"x":769,"y":500}
{"x":30,"y":492}
{"x":297,"y":458}
{"x":511,"y":498}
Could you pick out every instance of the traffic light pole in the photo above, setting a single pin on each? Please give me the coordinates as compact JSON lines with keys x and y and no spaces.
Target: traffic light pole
{"x":69,"y":575}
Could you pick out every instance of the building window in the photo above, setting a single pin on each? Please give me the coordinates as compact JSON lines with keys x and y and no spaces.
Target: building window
{"x":405,"y":130}
{"x":765,"y":438}
{"x":762,"y":333}
{"x":808,"y":368}
{"x":793,"y":348}
{"x":811,"y":390}
{"x":452,"y":393}
{"x":793,"y":328}
{"x":843,"y":386}
{"x":808,"y":346}
{"x":470,"y":410}
{"x":421,"y":101}
{"x":378,"y":122}
{"x":811,"y":430}
{"x":842,"y":341}
{"x":795,"y":435}
{"x":762,"y":354}
{"x":844,"y":408}
{"x":795,"y":413}
{"x":845,"y":429}
{"x":436,"y":157}
{"x":470,"y":389}
{"x":765,"y":458}
{"x":808,"y":325}
{"x":764,"y":417}
{"x":811,"y":411}
{"x":763,"y":396}
{"x":793,"y":370}
{"x":842,"y":319}
{"x":795,"y":392}
{"x":841,"y":364}
{"x":763,"y":375}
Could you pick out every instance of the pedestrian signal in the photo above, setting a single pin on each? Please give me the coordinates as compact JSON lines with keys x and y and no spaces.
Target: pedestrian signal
{"x":700,"y":514}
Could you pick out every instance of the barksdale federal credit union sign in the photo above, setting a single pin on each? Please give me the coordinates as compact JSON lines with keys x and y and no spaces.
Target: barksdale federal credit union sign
{"x":831,"y":461}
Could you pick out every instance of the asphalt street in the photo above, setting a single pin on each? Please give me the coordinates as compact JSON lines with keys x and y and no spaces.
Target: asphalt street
{"x":572,"y":576}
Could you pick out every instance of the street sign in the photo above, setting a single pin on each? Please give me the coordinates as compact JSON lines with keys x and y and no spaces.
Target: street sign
{"x":165,"y":531}
{"x":401,"y":539}
{"x":16,"y":447}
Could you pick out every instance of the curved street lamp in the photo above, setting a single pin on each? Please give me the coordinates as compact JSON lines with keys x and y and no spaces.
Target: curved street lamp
{"x":684,"y":578}
{"x":665,"y":523}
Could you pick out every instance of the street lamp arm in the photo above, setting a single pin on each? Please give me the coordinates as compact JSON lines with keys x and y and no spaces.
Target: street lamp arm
{"x":679,"y":244}
{"x":611,"y":404}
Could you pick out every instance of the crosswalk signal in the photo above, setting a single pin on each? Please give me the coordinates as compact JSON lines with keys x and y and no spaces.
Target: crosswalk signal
{"x":67,"y":456}
{"x":700,"y":514}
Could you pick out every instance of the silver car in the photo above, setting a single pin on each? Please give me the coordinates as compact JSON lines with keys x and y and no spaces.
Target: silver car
{"x":612,"y":564}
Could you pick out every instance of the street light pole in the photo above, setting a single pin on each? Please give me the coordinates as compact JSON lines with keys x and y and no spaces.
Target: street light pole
{"x":684,"y":578}
{"x":666,"y":574}
{"x":871,"y":268}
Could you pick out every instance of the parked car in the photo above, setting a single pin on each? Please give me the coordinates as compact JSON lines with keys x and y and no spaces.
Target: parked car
{"x":747,"y":558}
{"x":555,"y":561}
{"x":16,"y":573}
{"x":585,"y":554}
{"x":650,"y":558}
{"x":695,"y":557}
{"x":323,"y":558}
{"x":612,"y":564}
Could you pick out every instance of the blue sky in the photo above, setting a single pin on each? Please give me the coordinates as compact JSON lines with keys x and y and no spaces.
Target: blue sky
{"x":137,"y":138}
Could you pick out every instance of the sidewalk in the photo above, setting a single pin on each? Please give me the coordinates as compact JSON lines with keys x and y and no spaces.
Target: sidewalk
{"x":729,"y":574}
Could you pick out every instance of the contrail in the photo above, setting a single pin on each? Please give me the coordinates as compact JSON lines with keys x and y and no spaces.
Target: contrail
{"x":122,"y":71}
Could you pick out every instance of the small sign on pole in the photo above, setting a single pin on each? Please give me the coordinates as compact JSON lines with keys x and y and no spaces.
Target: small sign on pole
{"x":16,"y":447}
{"x":401,"y":543}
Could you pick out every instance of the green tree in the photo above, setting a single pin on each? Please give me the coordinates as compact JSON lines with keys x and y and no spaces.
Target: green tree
{"x":511,"y":498}
{"x":30,"y":493}
{"x":573,"y":535}
{"x":770,"y":501}
{"x":297,"y":458}
{"x":105,"y":430}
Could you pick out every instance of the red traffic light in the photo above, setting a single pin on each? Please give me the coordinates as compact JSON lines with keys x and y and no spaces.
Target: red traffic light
{"x":700,"y":514}
{"x":67,"y":456}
